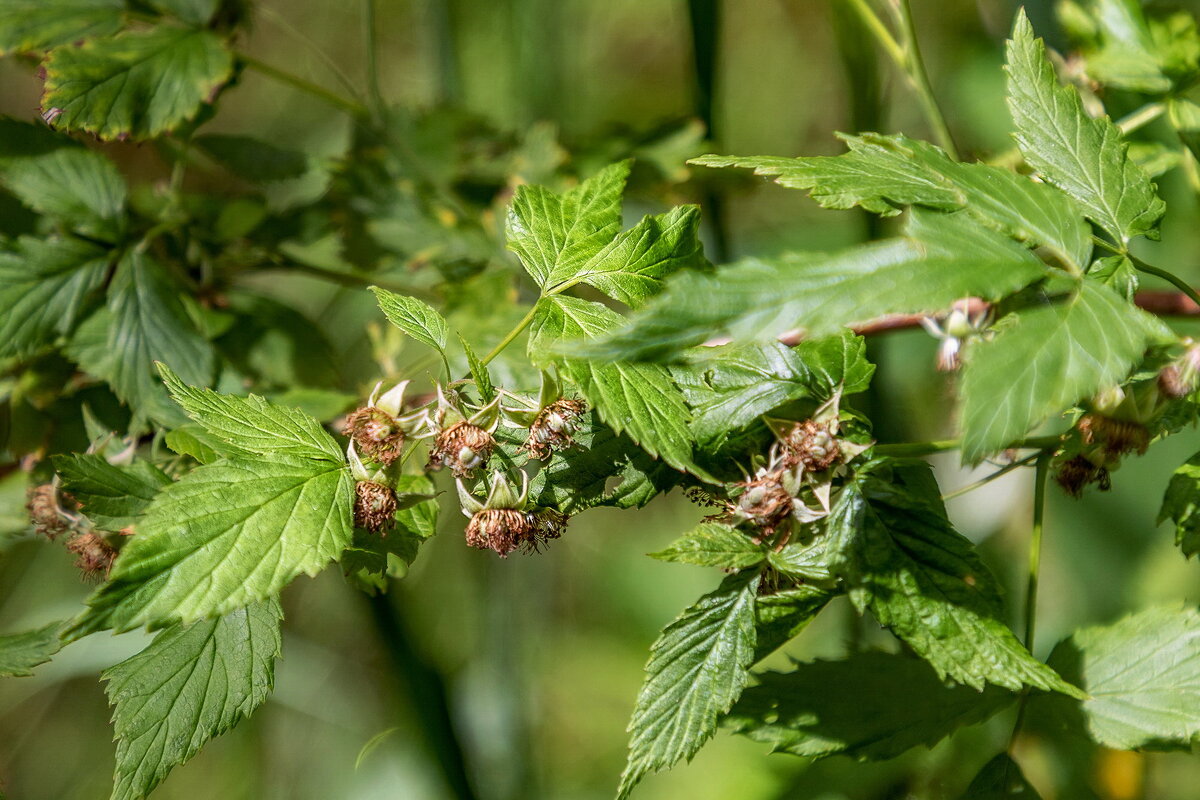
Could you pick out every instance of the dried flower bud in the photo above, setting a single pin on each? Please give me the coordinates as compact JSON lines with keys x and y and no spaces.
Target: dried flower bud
{"x":94,"y":555}
{"x":811,"y":444}
{"x":554,"y":427}
{"x":507,"y":529}
{"x":1180,"y":378}
{"x":45,"y":513}
{"x":1115,"y":437}
{"x":377,"y":433}
{"x":765,"y":502}
{"x":1076,"y":473}
{"x":374,"y":506}
{"x":463,"y":448}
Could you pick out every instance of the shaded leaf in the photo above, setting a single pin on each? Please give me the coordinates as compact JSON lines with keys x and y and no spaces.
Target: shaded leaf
{"x":21,"y":652}
{"x":113,"y":496}
{"x":253,"y":159}
{"x":1180,"y":505}
{"x":999,"y":779}
{"x":27,"y":25}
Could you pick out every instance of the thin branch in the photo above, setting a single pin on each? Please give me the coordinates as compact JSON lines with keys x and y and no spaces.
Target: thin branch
{"x":308,"y":87}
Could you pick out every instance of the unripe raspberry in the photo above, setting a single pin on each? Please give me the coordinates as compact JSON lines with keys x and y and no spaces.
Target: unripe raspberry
{"x":811,"y":444}
{"x":377,"y":433}
{"x":463,"y":448}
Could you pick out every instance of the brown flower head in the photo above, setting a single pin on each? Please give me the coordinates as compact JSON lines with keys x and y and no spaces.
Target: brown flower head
{"x":94,"y":555}
{"x":764,"y":502}
{"x":1076,"y":473}
{"x":554,"y":427}
{"x":43,"y":504}
{"x":1180,"y":377}
{"x":377,"y":433}
{"x":1116,"y":437}
{"x":463,"y":447}
{"x":374,"y":506}
{"x":506,"y":521}
{"x":812,"y":444}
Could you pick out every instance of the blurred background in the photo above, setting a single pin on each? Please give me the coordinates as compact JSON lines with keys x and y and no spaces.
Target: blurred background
{"x":539,"y":659}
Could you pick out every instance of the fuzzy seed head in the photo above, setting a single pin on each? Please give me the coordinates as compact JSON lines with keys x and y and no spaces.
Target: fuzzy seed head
{"x":374,"y":506}
{"x":463,"y":448}
{"x":765,"y":502}
{"x":376,"y":433}
{"x":554,"y":427}
{"x":1115,"y":437}
{"x":94,"y":555}
{"x":507,"y":529}
{"x":42,"y":503}
{"x":811,"y":444}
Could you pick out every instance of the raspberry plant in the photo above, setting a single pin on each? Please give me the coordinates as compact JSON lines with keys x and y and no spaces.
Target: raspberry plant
{"x":198,"y":453}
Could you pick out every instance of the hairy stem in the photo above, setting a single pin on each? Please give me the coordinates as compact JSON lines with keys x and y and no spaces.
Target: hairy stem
{"x":308,"y":87}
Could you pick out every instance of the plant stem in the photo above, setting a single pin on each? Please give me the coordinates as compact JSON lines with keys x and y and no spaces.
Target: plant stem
{"x":1171,"y":278}
{"x":875,"y":25}
{"x":353,"y":279}
{"x":989,"y":478}
{"x":920,"y":80}
{"x":1141,"y":117}
{"x":509,"y":337}
{"x":914,"y":449}
{"x":371,"y":43}
{"x":426,"y":692}
{"x":704,"y":17}
{"x":1035,"y":565}
{"x":308,"y":87}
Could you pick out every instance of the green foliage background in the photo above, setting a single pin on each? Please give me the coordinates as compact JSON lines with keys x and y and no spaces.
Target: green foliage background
{"x":543,"y":656}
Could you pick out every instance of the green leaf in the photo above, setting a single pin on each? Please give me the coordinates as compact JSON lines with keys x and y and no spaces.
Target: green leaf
{"x":370,"y":552}
{"x":139,"y":84}
{"x":55,"y":175}
{"x":554,"y":235}
{"x":1046,"y":358}
{"x":883,"y":174}
{"x":1000,"y":779}
{"x":191,"y":684}
{"x":808,"y":561}
{"x":697,"y":669}
{"x":1181,"y":504}
{"x":943,"y":258}
{"x":193,"y":440}
{"x":870,"y":706}
{"x":113,"y":496}
{"x":638,"y":399}
{"x":416,"y":318}
{"x":901,"y":558}
{"x":254,"y":424}
{"x":149,"y":323}
{"x":253,"y":159}
{"x":27,"y":25}
{"x":44,"y":285}
{"x":780,"y":616}
{"x":1142,"y":677}
{"x":226,"y":535}
{"x":1084,"y":157}
{"x":21,"y":652}
{"x":734,"y":385}
{"x":193,"y":12}
{"x":479,"y":373}
{"x":714,"y":544}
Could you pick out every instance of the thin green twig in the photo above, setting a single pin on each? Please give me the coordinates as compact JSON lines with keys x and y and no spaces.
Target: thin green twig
{"x":308,"y":87}
{"x":371,"y":43}
{"x":511,"y":336}
{"x":1000,"y":473}
{"x":1035,"y":568}
{"x":1169,"y":277}
{"x":916,"y":449}
{"x":919,"y":78}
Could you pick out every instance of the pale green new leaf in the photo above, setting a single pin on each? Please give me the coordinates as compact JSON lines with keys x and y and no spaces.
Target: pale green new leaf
{"x":226,"y":535}
{"x":253,"y":423}
{"x":112,"y":496}
{"x":883,"y":174}
{"x":639,"y":399}
{"x":21,"y":652}
{"x":27,"y":25}
{"x":56,"y":176}
{"x":554,"y":235}
{"x":871,"y":706}
{"x":139,"y":84}
{"x":1181,"y":504}
{"x":1083,"y":156}
{"x":1046,"y":358}
{"x":900,"y":557}
{"x":1142,"y":677}
{"x":191,"y":684}
{"x":44,"y":285}
{"x":148,"y":323}
{"x":1000,"y":779}
{"x":697,"y":670}
{"x":943,"y":258}
{"x":416,"y":318}
{"x":714,"y":544}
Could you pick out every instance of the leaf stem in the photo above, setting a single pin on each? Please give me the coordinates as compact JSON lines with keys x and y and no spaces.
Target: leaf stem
{"x":1169,"y":277}
{"x":919,"y":78}
{"x":352,"y":279}
{"x":915,"y":449}
{"x":1141,"y":117}
{"x":875,"y":25}
{"x":308,"y":87}
{"x":989,"y":478}
{"x":1031,"y":589}
{"x":371,"y":43}
{"x":511,"y":336}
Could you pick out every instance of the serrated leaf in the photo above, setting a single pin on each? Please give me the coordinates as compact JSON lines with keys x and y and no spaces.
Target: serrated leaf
{"x":1181,"y":504}
{"x":1000,"y":779}
{"x":479,"y":373}
{"x":27,"y":25}
{"x":1142,"y":677}
{"x":640,"y":400}
{"x":1046,"y":358}
{"x":883,"y":174}
{"x":55,"y":175}
{"x":734,"y":385}
{"x":193,"y":12}
{"x":191,"y":684}
{"x":555,"y":234}
{"x":807,"y":561}
{"x":112,"y":496}
{"x":416,"y":318}
{"x":44,"y":285}
{"x":138,"y":84}
{"x":252,"y":159}
{"x":226,"y":535}
{"x":900,"y":557}
{"x":697,"y":669}
{"x":944,"y":257}
{"x":870,"y":706}
{"x":148,"y":323}
{"x":193,"y":440}
{"x":714,"y":544}
{"x":782,"y":615}
{"x":1084,"y":157}
{"x":253,"y":423}
{"x":21,"y":652}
